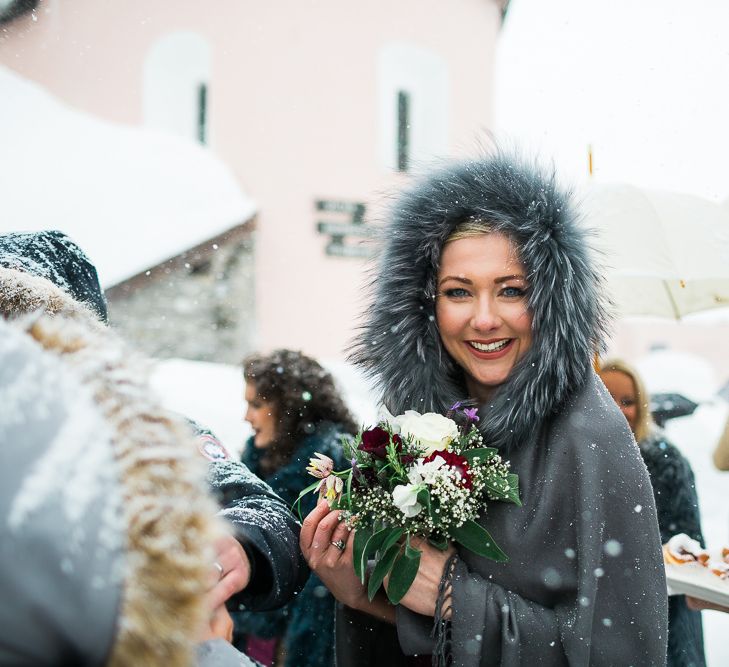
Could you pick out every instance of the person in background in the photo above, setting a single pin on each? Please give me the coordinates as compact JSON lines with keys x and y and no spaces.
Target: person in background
{"x":677,"y":503}
{"x":721,"y":453}
{"x":258,"y":559}
{"x":295,"y":411}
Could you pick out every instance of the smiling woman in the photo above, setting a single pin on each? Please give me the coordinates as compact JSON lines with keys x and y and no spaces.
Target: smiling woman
{"x":481,"y":307}
{"x":500,"y":306}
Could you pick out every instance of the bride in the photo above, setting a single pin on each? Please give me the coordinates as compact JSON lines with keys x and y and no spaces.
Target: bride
{"x":486,"y":291}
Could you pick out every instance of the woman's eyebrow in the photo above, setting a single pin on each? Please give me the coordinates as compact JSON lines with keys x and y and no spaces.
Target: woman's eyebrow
{"x":459,"y":279}
{"x":503,"y":279}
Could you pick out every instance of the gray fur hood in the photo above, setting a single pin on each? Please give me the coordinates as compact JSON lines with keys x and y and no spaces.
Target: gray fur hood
{"x":399,"y":345}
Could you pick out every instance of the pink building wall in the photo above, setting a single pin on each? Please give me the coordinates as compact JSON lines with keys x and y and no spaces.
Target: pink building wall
{"x":294,"y":98}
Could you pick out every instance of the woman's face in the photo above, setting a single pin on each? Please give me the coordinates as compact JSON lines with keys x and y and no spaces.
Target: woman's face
{"x":622,"y":389}
{"x":481,"y":309}
{"x":261,"y":416}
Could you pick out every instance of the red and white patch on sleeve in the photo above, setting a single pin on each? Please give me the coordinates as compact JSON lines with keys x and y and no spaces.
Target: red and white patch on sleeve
{"x":211,"y":448}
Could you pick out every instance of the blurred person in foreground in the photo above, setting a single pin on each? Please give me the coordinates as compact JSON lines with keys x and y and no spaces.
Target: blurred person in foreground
{"x":107,"y":534}
{"x":259,"y":564}
{"x":674,"y":489}
{"x":296,"y":412}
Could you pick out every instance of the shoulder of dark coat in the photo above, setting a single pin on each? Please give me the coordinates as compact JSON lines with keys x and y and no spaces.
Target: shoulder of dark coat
{"x":665,"y":461}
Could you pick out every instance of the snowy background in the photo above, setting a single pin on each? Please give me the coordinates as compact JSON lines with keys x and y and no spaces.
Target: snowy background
{"x":213,"y":395}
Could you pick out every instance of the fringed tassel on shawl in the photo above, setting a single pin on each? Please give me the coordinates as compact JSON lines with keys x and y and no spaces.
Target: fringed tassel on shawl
{"x":441,"y":626}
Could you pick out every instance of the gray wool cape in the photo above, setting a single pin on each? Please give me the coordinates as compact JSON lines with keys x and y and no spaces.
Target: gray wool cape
{"x":585,"y":582}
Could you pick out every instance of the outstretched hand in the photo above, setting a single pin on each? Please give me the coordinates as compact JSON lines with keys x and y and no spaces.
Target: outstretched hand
{"x":232,"y":570}
{"x":321,"y":530}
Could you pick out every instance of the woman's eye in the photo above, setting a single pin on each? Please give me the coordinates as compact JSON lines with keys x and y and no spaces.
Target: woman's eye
{"x":511,"y":292}
{"x":456,"y":293}
{"x":627,"y":402}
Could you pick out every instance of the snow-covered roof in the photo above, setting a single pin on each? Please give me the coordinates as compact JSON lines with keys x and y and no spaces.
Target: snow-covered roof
{"x":130,"y":197}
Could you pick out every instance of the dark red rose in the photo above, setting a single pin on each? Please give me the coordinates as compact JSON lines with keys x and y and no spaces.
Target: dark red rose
{"x":375,"y":442}
{"x":460,"y":463}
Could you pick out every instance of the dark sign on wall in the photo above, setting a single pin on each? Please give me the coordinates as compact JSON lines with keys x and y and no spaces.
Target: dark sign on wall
{"x":346,"y":228}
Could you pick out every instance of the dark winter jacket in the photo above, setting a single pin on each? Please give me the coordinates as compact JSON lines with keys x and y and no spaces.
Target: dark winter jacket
{"x":585,"y":582}
{"x":306,"y":624}
{"x":678,"y":512}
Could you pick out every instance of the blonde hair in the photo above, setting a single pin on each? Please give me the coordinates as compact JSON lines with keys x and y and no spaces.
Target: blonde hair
{"x":469,"y":229}
{"x":644,"y":421}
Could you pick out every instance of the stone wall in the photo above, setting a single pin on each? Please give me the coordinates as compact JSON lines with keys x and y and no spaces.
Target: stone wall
{"x":199,"y":305}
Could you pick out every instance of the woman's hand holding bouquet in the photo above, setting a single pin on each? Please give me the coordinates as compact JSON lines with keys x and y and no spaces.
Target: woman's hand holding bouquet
{"x":413,"y":476}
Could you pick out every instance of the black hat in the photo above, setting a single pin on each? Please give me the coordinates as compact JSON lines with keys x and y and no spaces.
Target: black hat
{"x":55,"y":257}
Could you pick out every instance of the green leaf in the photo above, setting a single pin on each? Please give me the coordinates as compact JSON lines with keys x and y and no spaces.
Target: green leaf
{"x":504,"y":489}
{"x":403,"y":574}
{"x":423,"y":498}
{"x":383,"y":566}
{"x":380,"y":540}
{"x":514,"y":488}
{"x":439,"y":542}
{"x":477,"y":539}
{"x":394,"y":536}
{"x":297,"y":503}
{"x":483,"y":453}
{"x":361,"y":537}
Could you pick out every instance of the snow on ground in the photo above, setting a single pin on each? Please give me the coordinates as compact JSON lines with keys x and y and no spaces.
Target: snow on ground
{"x":213,"y":395}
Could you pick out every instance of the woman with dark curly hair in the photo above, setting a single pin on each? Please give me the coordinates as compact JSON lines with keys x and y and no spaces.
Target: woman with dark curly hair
{"x":295,"y":411}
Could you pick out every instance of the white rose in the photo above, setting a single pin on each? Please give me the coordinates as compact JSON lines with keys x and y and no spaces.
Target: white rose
{"x":405,"y":497}
{"x":432,"y":431}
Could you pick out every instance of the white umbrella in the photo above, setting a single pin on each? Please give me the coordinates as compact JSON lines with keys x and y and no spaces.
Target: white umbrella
{"x":666,"y":253}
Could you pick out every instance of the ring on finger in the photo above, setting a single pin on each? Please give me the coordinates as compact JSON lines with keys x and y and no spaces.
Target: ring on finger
{"x":339,"y":544}
{"x":219,"y":568}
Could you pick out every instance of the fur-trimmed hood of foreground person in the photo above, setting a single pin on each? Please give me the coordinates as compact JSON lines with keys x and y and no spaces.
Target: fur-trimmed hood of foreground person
{"x":106,"y":529}
{"x":585,"y":582}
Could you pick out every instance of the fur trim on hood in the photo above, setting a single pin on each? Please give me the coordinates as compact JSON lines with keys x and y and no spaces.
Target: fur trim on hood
{"x":22,"y":293}
{"x":399,"y":343}
{"x":168,"y":526}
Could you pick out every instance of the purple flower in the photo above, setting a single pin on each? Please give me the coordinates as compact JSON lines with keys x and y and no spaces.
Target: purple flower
{"x":471,"y":414}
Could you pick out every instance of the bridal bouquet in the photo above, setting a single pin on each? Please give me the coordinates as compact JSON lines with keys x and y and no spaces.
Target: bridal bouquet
{"x":422,"y":475}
